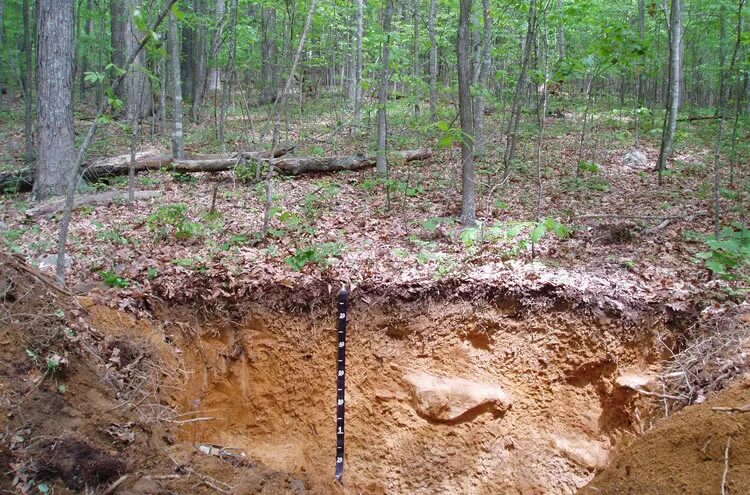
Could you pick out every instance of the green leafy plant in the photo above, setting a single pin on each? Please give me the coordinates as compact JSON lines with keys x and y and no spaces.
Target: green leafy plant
{"x":728,"y":253}
{"x":184,"y":178}
{"x":112,"y":279}
{"x":173,"y":219}
{"x":319,"y":254}
{"x":247,"y":173}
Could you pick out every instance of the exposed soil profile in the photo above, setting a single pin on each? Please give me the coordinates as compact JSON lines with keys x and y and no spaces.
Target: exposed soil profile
{"x":443,"y":396}
{"x":270,"y":382}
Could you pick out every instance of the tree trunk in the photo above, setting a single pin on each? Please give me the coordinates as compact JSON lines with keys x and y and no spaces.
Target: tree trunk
{"x":227,"y":88}
{"x":515,"y":111}
{"x":199,"y":66}
{"x":415,"y":58}
{"x":561,"y":30}
{"x":268,"y":88}
{"x":2,"y":43}
{"x":358,"y":66}
{"x":88,"y":32}
{"x":433,"y":60}
{"x":56,"y":53}
{"x":136,"y":90}
{"x":639,"y":79}
{"x":322,"y":164}
{"x":468,"y":177}
{"x":27,"y":86}
{"x":484,"y":69}
{"x":178,"y":140}
{"x":382,"y":165}
{"x":675,"y":73}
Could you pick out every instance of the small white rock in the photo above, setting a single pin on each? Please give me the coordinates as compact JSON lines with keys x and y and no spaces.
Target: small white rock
{"x":635,"y":159}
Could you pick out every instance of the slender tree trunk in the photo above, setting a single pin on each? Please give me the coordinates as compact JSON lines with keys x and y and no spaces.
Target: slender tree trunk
{"x":28,"y":116}
{"x":675,"y":73}
{"x":2,"y":44}
{"x":639,"y":79}
{"x":468,"y":177}
{"x":55,"y":58}
{"x":382,"y":162}
{"x":178,"y":141}
{"x":415,"y":57}
{"x":433,"y":60}
{"x":735,"y":128}
{"x":542,"y":128}
{"x":561,"y":30}
{"x":268,"y":89}
{"x":88,"y":31}
{"x":200,"y":75}
{"x":515,"y":112}
{"x":227,"y":89}
{"x":484,"y":69}
{"x":358,"y":67}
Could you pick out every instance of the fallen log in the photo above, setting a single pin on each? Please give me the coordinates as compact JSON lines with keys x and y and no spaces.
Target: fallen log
{"x":22,"y":180}
{"x":322,"y":164}
{"x":694,"y":118}
{"x":49,"y":209}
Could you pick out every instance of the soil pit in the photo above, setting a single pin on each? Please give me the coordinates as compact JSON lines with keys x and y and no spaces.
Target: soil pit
{"x":441,"y":398}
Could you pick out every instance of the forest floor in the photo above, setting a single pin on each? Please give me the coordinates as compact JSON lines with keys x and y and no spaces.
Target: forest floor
{"x":621,"y":292}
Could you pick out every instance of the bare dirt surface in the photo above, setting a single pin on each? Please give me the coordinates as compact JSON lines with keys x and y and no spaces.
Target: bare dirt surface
{"x":688,"y":452}
{"x":82,"y":406}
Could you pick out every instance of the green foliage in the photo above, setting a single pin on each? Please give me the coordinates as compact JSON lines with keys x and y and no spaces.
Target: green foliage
{"x":112,"y":279}
{"x":511,"y":233}
{"x":113,"y":235}
{"x":172,"y":219}
{"x":589,"y":166}
{"x":572,"y":184}
{"x":318,"y":254}
{"x":246,"y":173}
{"x":728,"y":254}
{"x":184,"y":178}
{"x":11,"y":237}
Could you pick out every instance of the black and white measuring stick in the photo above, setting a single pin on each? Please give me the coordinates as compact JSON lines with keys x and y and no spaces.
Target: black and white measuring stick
{"x":340,"y":385}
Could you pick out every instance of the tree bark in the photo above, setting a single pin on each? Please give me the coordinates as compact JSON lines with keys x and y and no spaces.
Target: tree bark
{"x":382,"y":165}
{"x":49,"y":209}
{"x":468,"y":176}
{"x":639,"y":79}
{"x":136,"y":90}
{"x":200,"y":75}
{"x":56,"y":52}
{"x":358,"y":66}
{"x":27,"y":86}
{"x":88,"y":32}
{"x":515,"y":111}
{"x":2,"y":43}
{"x":675,"y":73}
{"x":178,"y":140}
{"x":323,"y":164}
{"x":561,"y":30}
{"x":268,"y":79}
{"x":433,"y":60}
{"x":484,"y":69}
{"x":22,"y":180}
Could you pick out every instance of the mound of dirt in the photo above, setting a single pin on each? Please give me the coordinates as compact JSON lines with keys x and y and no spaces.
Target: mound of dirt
{"x":689,"y":452}
{"x":82,"y":407}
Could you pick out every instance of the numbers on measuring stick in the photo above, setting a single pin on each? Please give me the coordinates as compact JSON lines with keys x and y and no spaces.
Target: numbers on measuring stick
{"x":340,"y":386}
